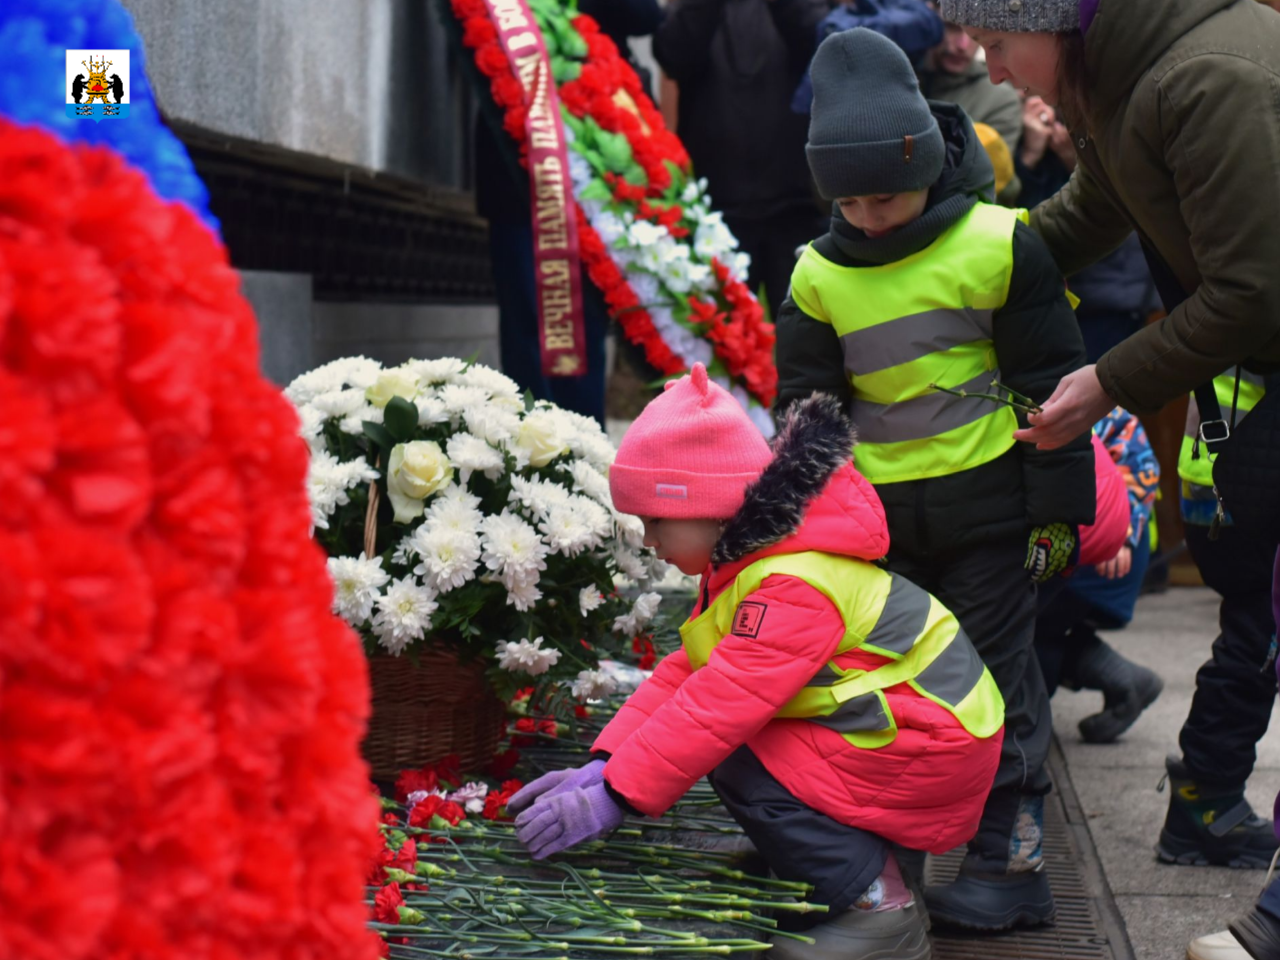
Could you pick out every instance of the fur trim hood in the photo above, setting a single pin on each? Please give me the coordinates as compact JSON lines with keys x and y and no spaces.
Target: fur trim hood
{"x":809,"y":497}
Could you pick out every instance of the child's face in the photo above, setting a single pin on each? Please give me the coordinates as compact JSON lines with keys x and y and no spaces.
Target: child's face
{"x":879,"y":215}
{"x":685,"y":543}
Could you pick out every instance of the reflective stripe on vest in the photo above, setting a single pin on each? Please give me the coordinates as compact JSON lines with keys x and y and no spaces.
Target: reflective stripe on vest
{"x":1199,"y":470}
{"x":926,"y":319}
{"x":883,"y":614}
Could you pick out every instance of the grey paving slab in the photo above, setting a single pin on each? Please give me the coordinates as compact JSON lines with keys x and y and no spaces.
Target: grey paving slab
{"x":1161,"y":927}
{"x":1163,"y":907}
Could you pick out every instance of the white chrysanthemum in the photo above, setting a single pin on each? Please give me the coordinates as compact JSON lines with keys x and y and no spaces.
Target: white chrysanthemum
{"x":592,"y":684}
{"x":632,"y":530}
{"x":470,"y":796}
{"x":328,"y":481}
{"x":311,"y":427}
{"x":455,"y":509}
{"x":449,"y":557}
{"x":655,"y":256}
{"x":357,"y":581}
{"x":647,"y":289}
{"x":357,"y":372}
{"x":588,"y":480}
{"x":642,"y":612}
{"x":457,"y":397}
{"x":339,"y":403}
{"x":589,"y":598}
{"x":443,"y":370}
{"x":404,"y":614}
{"x":713,"y":238}
{"x":512,"y":548}
{"x":431,"y":410}
{"x":580,"y":171}
{"x":354,"y":424}
{"x":567,"y":531}
{"x":642,"y":233}
{"x":739,"y":265}
{"x":526,"y":656}
{"x":523,"y":592}
{"x":538,"y":496}
{"x":629,"y":563}
{"x":494,"y":383}
{"x":471,"y":455}
{"x":491,"y":421}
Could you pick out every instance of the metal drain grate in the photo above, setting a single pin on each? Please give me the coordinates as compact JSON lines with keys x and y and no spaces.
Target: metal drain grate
{"x":1088,"y":925}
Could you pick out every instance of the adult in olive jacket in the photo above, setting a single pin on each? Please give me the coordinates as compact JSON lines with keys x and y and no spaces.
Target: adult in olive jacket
{"x":1177,"y":127}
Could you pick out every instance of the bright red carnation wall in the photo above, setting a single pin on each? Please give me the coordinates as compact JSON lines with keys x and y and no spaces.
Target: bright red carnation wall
{"x":180,"y":714}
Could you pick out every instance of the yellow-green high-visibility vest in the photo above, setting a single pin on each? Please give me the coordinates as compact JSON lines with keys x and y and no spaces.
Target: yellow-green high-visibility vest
{"x":1198,"y":471}
{"x":926,"y":319}
{"x":884,"y":614}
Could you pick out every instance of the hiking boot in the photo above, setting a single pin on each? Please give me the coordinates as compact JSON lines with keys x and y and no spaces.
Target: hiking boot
{"x":1127,"y":689}
{"x":1209,"y":825}
{"x":992,"y":901}
{"x":1259,"y":933}
{"x":861,"y":935}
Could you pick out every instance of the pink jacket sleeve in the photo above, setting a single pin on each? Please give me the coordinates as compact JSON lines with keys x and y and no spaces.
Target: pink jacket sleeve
{"x":790,"y":633}
{"x":671,"y":671}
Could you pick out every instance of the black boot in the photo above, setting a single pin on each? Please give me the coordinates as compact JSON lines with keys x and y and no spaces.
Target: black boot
{"x":1005,"y":888}
{"x":1128,"y":689}
{"x":1212,"y":825}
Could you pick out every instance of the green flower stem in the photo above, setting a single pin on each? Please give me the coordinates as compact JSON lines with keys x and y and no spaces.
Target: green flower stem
{"x":993,"y":398}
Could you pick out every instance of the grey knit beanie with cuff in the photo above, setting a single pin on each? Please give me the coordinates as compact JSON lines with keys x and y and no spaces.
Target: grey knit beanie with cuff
{"x":870,"y":129}
{"x":1014,"y":16}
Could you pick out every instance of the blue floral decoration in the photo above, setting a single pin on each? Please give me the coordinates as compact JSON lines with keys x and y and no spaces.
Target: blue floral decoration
{"x":34,"y":38}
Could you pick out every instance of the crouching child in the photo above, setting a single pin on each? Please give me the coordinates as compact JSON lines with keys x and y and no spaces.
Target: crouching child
{"x":836,"y":708}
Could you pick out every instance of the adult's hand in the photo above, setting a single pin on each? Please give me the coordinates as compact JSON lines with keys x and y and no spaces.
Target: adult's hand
{"x":1037,"y":128}
{"x":1076,"y":405}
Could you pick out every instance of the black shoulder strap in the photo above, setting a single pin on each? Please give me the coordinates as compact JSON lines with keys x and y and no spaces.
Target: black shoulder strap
{"x":1214,"y":430}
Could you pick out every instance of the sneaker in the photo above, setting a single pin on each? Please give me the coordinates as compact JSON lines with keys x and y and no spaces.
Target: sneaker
{"x":1216,"y":828}
{"x":990,"y":902}
{"x":861,"y":935}
{"x":1217,"y":946}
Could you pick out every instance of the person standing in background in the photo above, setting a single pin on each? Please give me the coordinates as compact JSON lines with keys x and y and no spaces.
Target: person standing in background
{"x":952,"y":73}
{"x":502,"y":198}
{"x":737,"y":63}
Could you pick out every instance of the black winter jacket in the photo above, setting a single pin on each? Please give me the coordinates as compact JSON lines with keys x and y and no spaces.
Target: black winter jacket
{"x":736,"y":63}
{"x":1037,"y":342}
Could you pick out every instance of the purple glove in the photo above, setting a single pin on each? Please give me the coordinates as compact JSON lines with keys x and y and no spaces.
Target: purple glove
{"x":557,"y":781}
{"x":559,"y":821}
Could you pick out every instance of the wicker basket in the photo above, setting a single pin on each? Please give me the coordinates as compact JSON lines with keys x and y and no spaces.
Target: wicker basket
{"x":423,"y":712}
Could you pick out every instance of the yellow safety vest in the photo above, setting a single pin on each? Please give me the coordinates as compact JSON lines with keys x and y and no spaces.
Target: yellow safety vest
{"x":1198,"y":471}
{"x":926,"y":319}
{"x":884,"y":614}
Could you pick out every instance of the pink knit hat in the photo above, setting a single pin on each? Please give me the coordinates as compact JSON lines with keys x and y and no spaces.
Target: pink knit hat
{"x":689,"y":455}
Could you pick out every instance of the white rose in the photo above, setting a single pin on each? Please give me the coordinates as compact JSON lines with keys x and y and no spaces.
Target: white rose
{"x":415,"y":471}
{"x":392,"y":383}
{"x":539,"y":439}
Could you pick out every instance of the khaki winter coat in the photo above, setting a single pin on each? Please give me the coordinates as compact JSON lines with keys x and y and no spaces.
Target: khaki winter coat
{"x":1183,"y":143}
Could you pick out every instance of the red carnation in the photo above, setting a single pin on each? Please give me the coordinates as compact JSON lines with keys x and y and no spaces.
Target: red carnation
{"x":415,"y":781}
{"x":387,"y":903}
{"x":181,"y":712}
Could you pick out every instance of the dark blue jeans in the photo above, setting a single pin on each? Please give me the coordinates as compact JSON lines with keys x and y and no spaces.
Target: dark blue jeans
{"x":511,"y":253}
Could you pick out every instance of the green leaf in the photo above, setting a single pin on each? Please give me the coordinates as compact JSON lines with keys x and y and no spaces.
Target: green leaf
{"x":379,"y":435}
{"x":615,"y":151}
{"x":596,"y":190}
{"x":634,"y":174}
{"x":401,"y":418}
{"x":565,"y":71}
{"x":529,"y":400}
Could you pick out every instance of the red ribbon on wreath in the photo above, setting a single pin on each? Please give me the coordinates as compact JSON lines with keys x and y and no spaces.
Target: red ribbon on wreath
{"x":561,"y":333}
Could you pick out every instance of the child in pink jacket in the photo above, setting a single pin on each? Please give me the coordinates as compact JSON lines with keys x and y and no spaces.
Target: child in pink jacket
{"x":835,"y":708}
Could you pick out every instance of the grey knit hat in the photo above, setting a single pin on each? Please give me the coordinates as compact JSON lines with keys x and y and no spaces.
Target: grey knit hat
{"x":870,"y":128}
{"x":1014,"y":16}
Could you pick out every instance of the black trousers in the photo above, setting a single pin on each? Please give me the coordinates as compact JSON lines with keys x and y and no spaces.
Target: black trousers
{"x":988,"y":589}
{"x":772,"y":242}
{"x":1237,"y":685}
{"x":798,"y":842}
